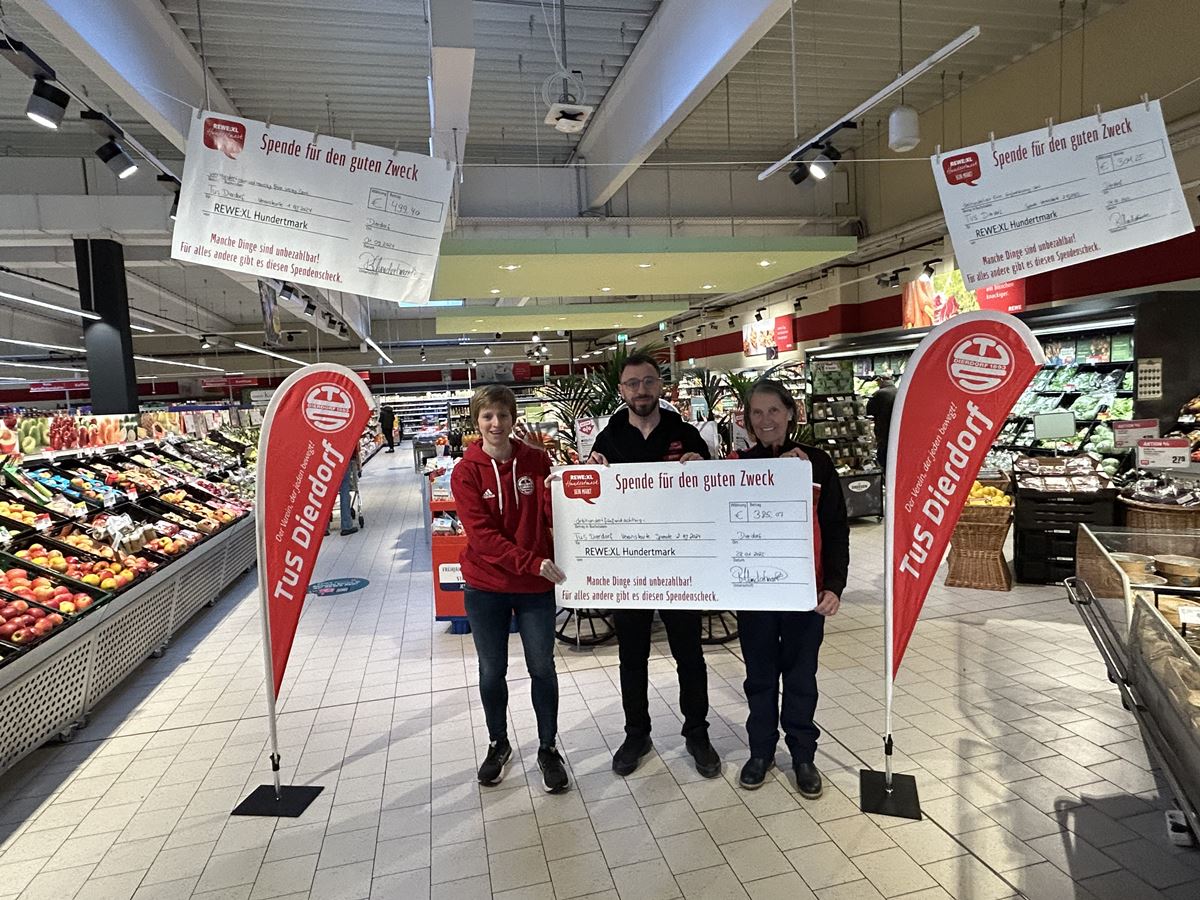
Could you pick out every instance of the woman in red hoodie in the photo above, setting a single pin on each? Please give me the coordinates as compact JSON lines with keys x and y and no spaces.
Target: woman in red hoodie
{"x":507,"y":567}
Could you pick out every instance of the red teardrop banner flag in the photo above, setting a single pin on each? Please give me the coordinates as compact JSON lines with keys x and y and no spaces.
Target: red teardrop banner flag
{"x":959,"y":386}
{"x":309,"y":435}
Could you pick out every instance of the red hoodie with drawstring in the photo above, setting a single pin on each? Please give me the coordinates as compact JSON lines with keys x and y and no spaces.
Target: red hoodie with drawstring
{"x":505,"y":510}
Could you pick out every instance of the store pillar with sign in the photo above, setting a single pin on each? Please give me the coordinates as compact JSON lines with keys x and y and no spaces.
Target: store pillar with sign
{"x":109,"y":343}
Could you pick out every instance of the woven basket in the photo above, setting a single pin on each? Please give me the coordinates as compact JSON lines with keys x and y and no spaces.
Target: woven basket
{"x":986,"y":514}
{"x":982,"y":570}
{"x":1158,"y":517}
{"x":979,"y":536}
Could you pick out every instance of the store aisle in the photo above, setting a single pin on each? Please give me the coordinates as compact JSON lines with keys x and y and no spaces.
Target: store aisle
{"x":1032,"y":776}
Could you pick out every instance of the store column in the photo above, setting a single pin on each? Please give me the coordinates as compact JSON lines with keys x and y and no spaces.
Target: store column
{"x":100,"y":265}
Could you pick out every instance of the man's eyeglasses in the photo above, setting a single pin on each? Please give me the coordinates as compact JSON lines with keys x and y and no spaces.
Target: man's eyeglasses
{"x":650,"y":381}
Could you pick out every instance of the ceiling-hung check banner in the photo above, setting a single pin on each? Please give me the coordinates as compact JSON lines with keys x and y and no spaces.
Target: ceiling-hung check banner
{"x":280,"y":203}
{"x":1059,"y":196}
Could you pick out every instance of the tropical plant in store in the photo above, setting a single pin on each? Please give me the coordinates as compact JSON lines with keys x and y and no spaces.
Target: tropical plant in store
{"x":570,"y":398}
{"x":712,"y":386}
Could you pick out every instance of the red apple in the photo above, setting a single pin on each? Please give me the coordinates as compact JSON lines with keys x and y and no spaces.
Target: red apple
{"x":7,"y":630}
{"x":17,"y":573}
{"x":22,"y":636}
{"x":55,"y":618}
{"x":36,"y":612}
{"x":84,"y":602}
{"x":9,"y":612}
{"x":20,"y":605}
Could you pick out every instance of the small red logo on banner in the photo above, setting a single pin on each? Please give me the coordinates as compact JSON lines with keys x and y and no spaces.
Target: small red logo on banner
{"x":962,"y":169}
{"x":980,"y":364}
{"x":228,"y":137}
{"x":581,"y":485}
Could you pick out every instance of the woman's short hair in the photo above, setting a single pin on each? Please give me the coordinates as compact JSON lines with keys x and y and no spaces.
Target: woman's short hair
{"x":780,"y":392}
{"x":493,"y":395}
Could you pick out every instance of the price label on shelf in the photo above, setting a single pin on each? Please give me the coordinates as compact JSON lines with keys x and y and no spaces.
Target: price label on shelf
{"x":1188,"y":615}
{"x":42,"y":522}
{"x":1127,"y":434}
{"x":109,"y":500}
{"x":132,"y":494}
{"x":1165,"y":453}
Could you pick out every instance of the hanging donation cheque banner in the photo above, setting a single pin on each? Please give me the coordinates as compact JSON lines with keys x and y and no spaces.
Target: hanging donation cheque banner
{"x":310,"y":433}
{"x":733,"y":534}
{"x":1062,"y":195}
{"x":957,"y":391}
{"x":281,"y":203}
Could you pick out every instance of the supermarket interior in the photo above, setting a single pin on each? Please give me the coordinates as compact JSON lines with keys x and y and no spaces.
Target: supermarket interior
{"x":258,"y":259}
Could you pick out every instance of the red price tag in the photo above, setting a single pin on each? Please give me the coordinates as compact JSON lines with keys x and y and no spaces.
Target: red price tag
{"x":42,"y":522}
{"x":1166,"y":453}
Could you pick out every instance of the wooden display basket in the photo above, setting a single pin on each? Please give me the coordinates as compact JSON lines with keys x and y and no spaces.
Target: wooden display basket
{"x":1158,"y":516}
{"x":977,"y":549}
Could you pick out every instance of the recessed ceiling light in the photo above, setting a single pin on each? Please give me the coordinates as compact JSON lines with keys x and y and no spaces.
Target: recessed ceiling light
{"x":511,"y":267}
{"x":494,"y":291}
{"x":562,"y":318}
{"x":640,"y":316}
{"x":478,"y":321}
{"x":707,"y":287}
{"x":474,"y":329}
{"x":645,"y":265}
{"x":605,"y":290}
{"x":764,"y":263}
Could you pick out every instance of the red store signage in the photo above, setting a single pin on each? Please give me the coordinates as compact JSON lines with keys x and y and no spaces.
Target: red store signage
{"x":1005,"y":296}
{"x":43,"y":387}
{"x":785,"y":333}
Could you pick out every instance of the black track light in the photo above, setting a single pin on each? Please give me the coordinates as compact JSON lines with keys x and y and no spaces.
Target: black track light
{"x":47,"y":104}
{"x":758,"y":313}
{"x":822,"y":166}
{"x":114,"y":156}
{"x":798,"y":174}
{"x":699,"y":329}
{"x":798,"y":303}
{"x":732,"y":320}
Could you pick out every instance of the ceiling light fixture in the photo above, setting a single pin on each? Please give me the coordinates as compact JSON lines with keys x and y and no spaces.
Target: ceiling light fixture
{"x":765,"y":263}
{"x":59,"y":309}
{"x":114,"y":156}
{"x":423,"y":356}
{"x":798,"y":303}
{"x":23,"y":365}
{"x":511,"y":267}
{"x":168,"y":362}
{"x":205,"y":343}
{"x":535,"y":337}
{"x":798,"y":174}
{"x":310,"y":309}
{"x":487,"y":351}
{"x":679,"y":337}
{"x":605,"y":290}
{"x":47,"y":104}
{"x":133,"y":327}
{"x":646,"y":265}
{"x":707,"y":287}
{"x":911,"y":75}
{"x":699,"y":330}
{"x":494,"y":291}
{"x":732,"y":320}
{"x":242,"y":345}
{"x":374,"y":346}
{"x":44,"y":346}
{"x":928,"y":270}
{"x":823,"y":165}
{"x":904,"y":125}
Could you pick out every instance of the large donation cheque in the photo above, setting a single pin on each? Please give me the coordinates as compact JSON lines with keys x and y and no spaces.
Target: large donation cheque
{"x":735,"y":534}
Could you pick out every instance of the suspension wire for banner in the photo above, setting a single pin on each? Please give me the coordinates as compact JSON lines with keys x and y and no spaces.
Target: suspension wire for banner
{"x":1082,"y":53}
{"x":203,"y":55}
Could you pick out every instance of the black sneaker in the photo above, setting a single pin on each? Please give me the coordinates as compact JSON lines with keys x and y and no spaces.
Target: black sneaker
{"x":353,"y":529}
{"x":498,"y":755}
{"x":808,"y":780}
{"x":554,"y":773}
{"x":629,"y":755}
{"x":754,"y":772}
{"x":708,"y":763}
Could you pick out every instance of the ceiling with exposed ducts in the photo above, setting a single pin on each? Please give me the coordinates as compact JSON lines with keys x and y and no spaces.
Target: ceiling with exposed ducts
{"x":360,"y":68}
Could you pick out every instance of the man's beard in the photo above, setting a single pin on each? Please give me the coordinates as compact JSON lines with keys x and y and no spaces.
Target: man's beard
{"x":643,"y":406}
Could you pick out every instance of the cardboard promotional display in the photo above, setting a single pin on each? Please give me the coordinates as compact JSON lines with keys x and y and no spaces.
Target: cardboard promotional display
{"x":310,"y":433}
{"x":958,"y":388}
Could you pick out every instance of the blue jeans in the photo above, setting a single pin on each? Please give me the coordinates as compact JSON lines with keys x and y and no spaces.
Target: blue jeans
{"x":781,"y":648}
{"x":344,"y":501}
{"x":490,"y":614}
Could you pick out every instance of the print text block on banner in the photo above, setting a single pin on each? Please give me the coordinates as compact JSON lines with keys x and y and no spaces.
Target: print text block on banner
{"x":1059,"y":196}
{"x":736,"y":534}
{"x":276,"y":202}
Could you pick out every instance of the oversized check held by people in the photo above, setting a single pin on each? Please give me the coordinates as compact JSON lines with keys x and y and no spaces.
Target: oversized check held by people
{"x":731,"y":534}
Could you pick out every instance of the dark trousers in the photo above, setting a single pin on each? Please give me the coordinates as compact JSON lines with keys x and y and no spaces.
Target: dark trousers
{"x":683,"y":634}
{"x":490,"y":614}
{"x":781,"y":646}
{"x":387,"y":436}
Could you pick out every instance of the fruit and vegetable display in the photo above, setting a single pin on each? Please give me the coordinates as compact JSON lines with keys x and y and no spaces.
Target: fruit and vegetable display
{"x":18,"y":512}
{"x":106,"y":574}
{"x":987,"y":495}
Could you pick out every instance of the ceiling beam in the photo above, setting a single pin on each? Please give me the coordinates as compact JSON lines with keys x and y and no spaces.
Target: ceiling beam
{"x":452,"y":69}
{"x":688,"y":47}
{"x":135,"y":47}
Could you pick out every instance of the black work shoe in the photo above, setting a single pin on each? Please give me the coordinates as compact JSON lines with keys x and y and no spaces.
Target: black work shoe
{"x":629,"y":755}
{"x":808,"y":781}
{"x":754,"y":772}
{"x":498,"y":755}
{"x":351,"y":530}
{"x":708,"y":763}
{"x":554,"y":773}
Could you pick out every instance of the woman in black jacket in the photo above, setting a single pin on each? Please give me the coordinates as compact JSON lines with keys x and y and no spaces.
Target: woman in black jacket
{"x":784,"y":645}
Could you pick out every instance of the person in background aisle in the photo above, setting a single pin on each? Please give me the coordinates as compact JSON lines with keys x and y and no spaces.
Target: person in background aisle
{"x":784,"y":645}
{"x":508,"y":567}
{"x":345,"y":506}
{"x":879,"y":408}
{"x":387,"y":424}
{"x":645,"y":432}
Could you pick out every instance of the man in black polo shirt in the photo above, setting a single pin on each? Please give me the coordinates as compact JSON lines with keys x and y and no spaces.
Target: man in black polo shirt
{"x":646,"y":432}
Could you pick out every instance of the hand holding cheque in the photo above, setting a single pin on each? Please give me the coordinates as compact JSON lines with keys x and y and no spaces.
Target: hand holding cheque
{"x":736,"y":534}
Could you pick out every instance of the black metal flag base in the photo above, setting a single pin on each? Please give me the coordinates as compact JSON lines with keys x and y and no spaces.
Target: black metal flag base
{"x":293,"y":800}
{"x":901,"y":801}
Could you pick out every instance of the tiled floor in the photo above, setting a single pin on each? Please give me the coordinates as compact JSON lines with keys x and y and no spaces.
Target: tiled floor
{"x":1033,"y":779}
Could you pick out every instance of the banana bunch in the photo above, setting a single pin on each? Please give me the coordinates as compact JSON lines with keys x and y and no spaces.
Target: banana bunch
{"x":982,"y":495}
